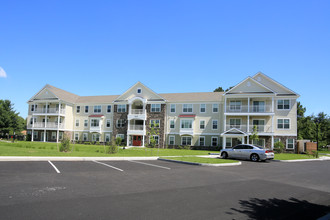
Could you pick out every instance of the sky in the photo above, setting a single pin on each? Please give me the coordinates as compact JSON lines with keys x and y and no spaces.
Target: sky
{"x":104,"y":47}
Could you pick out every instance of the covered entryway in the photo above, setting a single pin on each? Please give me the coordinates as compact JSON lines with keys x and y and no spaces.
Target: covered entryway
{"x":233,"y":137}
{"x":137,"y":140}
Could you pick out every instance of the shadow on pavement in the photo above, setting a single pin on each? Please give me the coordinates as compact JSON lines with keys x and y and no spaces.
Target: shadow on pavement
{"x":281,"y":209}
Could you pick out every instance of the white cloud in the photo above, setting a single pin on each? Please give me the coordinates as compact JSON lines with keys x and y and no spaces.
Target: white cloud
{"x":3,"y":74}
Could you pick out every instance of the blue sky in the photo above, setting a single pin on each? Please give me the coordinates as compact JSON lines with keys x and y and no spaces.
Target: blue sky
{"x":104,"y":47}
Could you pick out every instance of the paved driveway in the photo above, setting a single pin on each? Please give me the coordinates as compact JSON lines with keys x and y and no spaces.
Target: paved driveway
{"x":163,"y":190}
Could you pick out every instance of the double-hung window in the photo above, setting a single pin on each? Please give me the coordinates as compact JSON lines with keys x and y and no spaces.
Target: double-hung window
{"x":108,"y":123}
{"x":203,"y":108}
{"x":154,"y":123}
{"x":121,"y":108}
{"x":171,"y":140}
{"x":86,"y":109}
{"x":77,"y":122}
{"x":202,"y":124}
{"x":290,"y":143}
{"x":214,"y":141}
{"x":215,"y":108}
{"x":186,"y":140}
{"x":186,"y":124}
{"x":283,"y":104}
{"x":120,"y":123}
{"x":172,"y":108}
{"x":155,"y":107}
{"x":235,"y":106}
{"x":201,"y":141}
{"x":108,"y":108}
{"x":97,"y":109}
{"x":85,"y":123}
{"x":214,"y":124}
{"x":85,"y":136}
{"x":95,"y":122}
{"x":283,"y":123}
{"x":187,"y":108}
{"x":78,"y":109}
{"x":172,"y":123}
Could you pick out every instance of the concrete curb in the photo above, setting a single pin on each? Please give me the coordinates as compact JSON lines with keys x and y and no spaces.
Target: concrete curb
{"x":16,"y":158}
{"x":202,"y":164}
{"x":304,"y":160}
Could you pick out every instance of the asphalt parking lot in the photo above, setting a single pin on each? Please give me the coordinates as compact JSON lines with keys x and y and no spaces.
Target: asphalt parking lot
{"x":163,"y":190}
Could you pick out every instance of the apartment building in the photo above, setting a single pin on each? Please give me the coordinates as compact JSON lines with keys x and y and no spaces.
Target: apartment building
{"x":196,"y":119}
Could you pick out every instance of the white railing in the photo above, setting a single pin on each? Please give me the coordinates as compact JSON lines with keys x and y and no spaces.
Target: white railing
{"x":136,"y":127}
{"x":137,"y":111}
{"x":48,"y":125}
{"x":49,"y":111}
{"x":95,"y":129}
{"x":260,"y":128}
{"x":249,"y":109}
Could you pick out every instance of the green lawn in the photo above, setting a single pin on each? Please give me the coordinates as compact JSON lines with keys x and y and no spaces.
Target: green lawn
{"x":23,"y":148}
{"x":285,"y":156}
{"x":201,"y":160}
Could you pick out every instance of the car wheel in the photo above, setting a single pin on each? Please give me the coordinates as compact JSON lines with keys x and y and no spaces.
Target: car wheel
{"x":254,"y":157}
{"x":224,"y":155}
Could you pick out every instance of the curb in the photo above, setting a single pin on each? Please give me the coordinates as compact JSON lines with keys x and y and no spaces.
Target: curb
{"x":304,"y":160}
{"x":13,"y":158}
{"x":202,"y":164}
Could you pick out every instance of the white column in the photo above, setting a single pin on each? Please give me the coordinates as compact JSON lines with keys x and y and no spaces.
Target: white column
{"x":45,"y":131}
{"x":243,"y":140}
{"x":247,"y":139}
{"x":143,"y":140}
{"x":224,"y":142}
{"x":58,"y":121}
{"x":272,"y":104}
{"x":225,"y":105}
{"x":272,"y":144}
{"x":224,"y":123}
{"x":248,"y":104}
{"x":272,"y":123}
{"x":127,"y":140}
{"x":248,"y":124}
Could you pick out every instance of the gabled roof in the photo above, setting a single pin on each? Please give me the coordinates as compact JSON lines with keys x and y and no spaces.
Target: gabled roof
{"x":249,"y":86}
{"x":234,"y":131}
{"x":97,"y":99}
{"x":192,"y":97}
{"x":147,"y":93}
{"x":56,"y":93}
{"x":274,"y":85}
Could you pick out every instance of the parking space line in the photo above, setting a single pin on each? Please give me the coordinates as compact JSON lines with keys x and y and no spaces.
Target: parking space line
{"x":108,"y":165}
{"x":148,"y":164}
{"x":54,"y":166}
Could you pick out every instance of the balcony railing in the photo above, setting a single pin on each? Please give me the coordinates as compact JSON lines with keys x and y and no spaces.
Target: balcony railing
{"x":137,"y":111}
{"x":249,"y":109}
{"x":136,"y":127}
{"x":260,"y":128}
{"x":48,"y":125}
{"x":49,"y":111}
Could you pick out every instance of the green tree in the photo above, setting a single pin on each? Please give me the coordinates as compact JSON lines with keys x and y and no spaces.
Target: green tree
{"x":220,"y":89}
{"x":10,"y":121}
{"x":305,"y":125}
{"x":254,"y":135}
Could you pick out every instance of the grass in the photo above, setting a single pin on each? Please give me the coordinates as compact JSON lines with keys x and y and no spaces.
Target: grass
{"x":25,"y":148}
{"x":285,"y":156}
{"x":201,"y":160}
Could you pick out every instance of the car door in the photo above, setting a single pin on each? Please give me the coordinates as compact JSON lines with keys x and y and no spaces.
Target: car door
{"x":236,"y":152}
{"x":246,"y":151}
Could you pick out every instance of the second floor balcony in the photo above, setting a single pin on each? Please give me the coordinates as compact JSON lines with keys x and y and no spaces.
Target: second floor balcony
{"x":249,"y":128}
{"x":139,"y":114}
{"x":50,"y":111}
{"x":43,"y":125}
{"x":249,"y":109}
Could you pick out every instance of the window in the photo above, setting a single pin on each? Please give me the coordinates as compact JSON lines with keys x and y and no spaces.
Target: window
{"x":260,"y":142}
{"x":156,"y":138}
{"x":97,"y":109}
{"x":276,"y":140}
{"x":283,"y":104}
{"x":122,"y":136}
{"x":35,"y":135}
{"x":85,"y":123}
{"x":186,"y":140}
{"x":228,"y":142}
{"x":187,"y":108}
{"x":171,"y":140}
{"x":86,"y":109}
{"x":60,"y":136}
{"x":76,"y":136}
{"x":172,"y":124}
{"x":107,"y":137}
{"x":108,"y":108}
{"x":201,"y":124}
{"x":77,"y":123}
{"x":139,"y":91}
{"x":53,"y":135}
{"x":108,"y":123}
{"x":186,"y":124}
{"x":34,"y":108}
{"x":260,"y":123}
{"x":235,"y":123}
{"x":96,"y":137}
{"x":290,"y":143}
{"x":235,"y":106}
{"x":214,"y":141}
{"x":33,"y":120}
{"x":214,"y":124}
{"x":78,"y":109}
{"x":172,"y":108}
{"x":155,"y":107}
{"x":155,"y":123}
{"x":201,"y":141}
{"x":259,"y":106}
{"x":121,"y":108}
{"x":203,"y":108}
{"x":85,"y":136}
{"x":215,"y":108}
{"x":95,"y":122}
{"x":283,"y":123}
{"x":120,"y":123}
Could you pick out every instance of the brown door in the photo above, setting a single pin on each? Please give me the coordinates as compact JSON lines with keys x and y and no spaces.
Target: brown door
{"x":137,"y":140}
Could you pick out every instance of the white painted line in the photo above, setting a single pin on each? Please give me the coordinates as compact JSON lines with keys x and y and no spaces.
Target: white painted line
{"x":108,"y":165}
{"x":54,"y":166}
{"x":148,"y":164}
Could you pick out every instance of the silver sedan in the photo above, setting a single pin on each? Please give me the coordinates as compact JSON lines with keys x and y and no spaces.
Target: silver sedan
{"x":247,"y":151}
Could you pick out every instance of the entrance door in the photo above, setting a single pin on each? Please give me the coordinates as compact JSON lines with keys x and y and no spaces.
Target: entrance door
{"x":137,"y":140}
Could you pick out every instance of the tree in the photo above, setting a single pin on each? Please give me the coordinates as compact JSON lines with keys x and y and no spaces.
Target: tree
{"x":10,"y":121}
{"x":220,"y":89}
{"x":254,"y":135}
{"x":305,"y":125}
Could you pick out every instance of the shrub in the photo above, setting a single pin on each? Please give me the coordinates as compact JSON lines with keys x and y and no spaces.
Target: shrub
{"x":112,"y":149}
{"x":186,"y":147}
{"x":315,"y":153}
{"x":118,"y":141}
{"x":65,"y":145}
{"x":279,"y":147}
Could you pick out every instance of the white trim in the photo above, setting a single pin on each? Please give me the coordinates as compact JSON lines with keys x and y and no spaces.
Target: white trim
{"x":217,"y":108}
{"x":156,"y":107}
{"x":216,"y":137}
{"x":192,"y":108}
{"x":169,"y":139}
{"x":191,"y":139}
{"x":286,"y":145}
{"x":283,"y":124}
{"x":87,"y":109}
{"x":277,"y":109}
{"x":213,"y":120}
{"x":200,"y":125}
{"x":97,"y":106}
{"x":253,"y":80}
{"x":200,"y":108}
{"x":75,"y":124}
{"x":106,"y":111}
{"x":199,"y":141}
{"x":106,"y":123}
{"x":77,"y":109}
{"x":171,"y":108}
{"x":155,"y":122}
{"x":284,"y":135}
{"x":172,"y":120}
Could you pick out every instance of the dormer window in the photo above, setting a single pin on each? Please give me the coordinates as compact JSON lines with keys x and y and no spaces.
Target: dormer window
{"x":139,"y":91}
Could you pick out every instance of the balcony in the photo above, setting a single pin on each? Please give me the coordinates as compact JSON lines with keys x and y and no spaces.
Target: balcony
{"x":95,"y":129}
{"x":186,"y":131}
{"x":260,"y":128}
{"x":134,"y":129}
{"x":43,"y":125}
{"x":253,"y":109}
{"x":50,"y":111}
{"x":137,"y":114}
